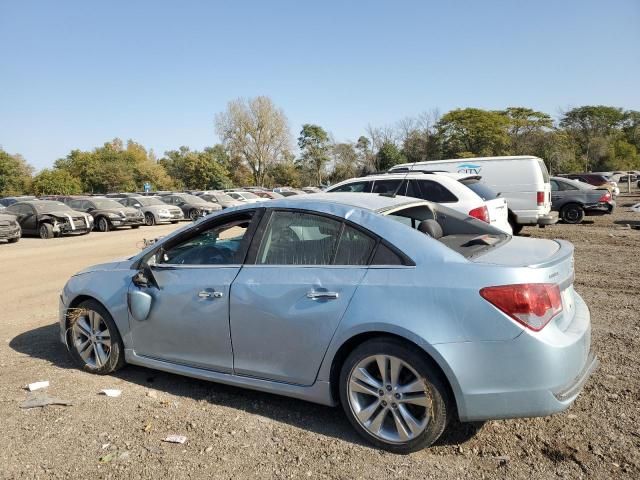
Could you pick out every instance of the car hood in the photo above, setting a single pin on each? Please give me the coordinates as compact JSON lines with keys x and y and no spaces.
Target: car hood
{"x":124,"y":210}
{"x":156,"y":208}
{"x":123,"y":263}
{"x":210,"y":206}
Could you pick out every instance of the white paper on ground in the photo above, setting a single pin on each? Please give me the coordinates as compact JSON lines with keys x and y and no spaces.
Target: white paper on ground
{"x":175,"y":439}
{"x":38,"y":385}
{"x":111,"y":392}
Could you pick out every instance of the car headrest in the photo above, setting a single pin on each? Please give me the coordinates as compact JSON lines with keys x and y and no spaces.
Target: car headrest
{"x":431,"y":227}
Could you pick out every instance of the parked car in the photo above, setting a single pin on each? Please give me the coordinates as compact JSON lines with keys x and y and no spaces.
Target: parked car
{"x":597,"y":180}
{"x":7,"y":201}
{"x":49,"y":219}
{"x":192,"y":207}
{"x":461,"y":192}
{"x":245,"y":197}
{"x":122,"y":195}
{"x":266,"y":194}
{"x":575,"y":199}
{"x":221,"y":198}
{"x":482,"y":335}
{"x":107,"y":213}
{"x":522,"y":180}
{"x":288,"y":191}
{"x":311,"y":189}
{"x":9,"y":228}
{"x":154,"y":210}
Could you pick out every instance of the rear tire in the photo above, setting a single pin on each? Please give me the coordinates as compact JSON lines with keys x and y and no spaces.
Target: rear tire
{"x":572,"y":213}
{"x":135,"y":226}
{"x":45,"y":231}
{"x":14,"y":240}
{"x":401,"y":415}
{"x":516,"y":227}
{"x":149,"y":219}
{"x":94,"y":341}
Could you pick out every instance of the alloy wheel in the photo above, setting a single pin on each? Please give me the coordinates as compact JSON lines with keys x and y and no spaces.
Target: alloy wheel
{"x":389,"y":399}
{"x":149,"y":219}
{"x":103,"y":225}
{"x":92,"y":339}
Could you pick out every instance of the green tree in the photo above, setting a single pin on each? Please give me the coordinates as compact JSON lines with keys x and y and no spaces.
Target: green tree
{"x":472,"y":131}
{"x":314,"y":145}
{"x":526,"y":127}
{"x":115,"y":167}
{"x":346,"y":162}
{"x":15,"y":174}
{"x":285,"y":174}
{"x":256,"y":132}
{"x":591,"y":126}
{"x":204,"y":170}
{"x":388,"y":156}
{"x":56,"y":182}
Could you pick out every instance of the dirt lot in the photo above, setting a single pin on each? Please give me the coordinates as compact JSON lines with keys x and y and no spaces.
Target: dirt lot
{"x":234,"y":433}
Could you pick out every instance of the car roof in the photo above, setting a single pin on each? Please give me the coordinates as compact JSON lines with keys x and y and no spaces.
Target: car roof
{"x":366,"y":201}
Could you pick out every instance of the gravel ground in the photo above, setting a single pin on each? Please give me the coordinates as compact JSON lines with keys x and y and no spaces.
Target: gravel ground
{"x":234,"y":433}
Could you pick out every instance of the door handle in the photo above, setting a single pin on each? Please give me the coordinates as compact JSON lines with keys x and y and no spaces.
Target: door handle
{"x":205,"y":294}
{"x":313,"y":295}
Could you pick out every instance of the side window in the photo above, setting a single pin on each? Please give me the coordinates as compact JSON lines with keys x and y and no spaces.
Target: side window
{"x":76,"y":204}
{"x":386,"y":256}
{"x":412,"y":189}
{"x":354,"y":247}
{"x":223,"y":244}
{"x":555,"y":186}
{"x":434,"y":192}
{"x":359,"y":187}
{"x":126,"y":202}
{"x":296,"y":238}
{"x":389,"y":186}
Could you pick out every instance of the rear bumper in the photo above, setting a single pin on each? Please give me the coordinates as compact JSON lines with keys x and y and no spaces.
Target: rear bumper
{"x":600,"y":208}
{"x":550,"y":218}
{"x":535,"y":374}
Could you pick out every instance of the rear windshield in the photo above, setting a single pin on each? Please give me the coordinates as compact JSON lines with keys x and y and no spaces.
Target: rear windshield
{"x":480,"y":189}
{"x":545,"y":172}
{"x":465,"y":235}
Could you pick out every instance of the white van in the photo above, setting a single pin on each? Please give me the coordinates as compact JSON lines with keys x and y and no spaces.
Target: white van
{"x":522,"y":180}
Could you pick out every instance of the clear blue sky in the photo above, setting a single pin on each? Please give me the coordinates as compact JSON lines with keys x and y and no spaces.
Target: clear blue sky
{"x":76,"y":74}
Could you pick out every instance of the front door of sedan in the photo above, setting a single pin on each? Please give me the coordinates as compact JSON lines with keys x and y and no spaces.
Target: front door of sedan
{"x":189,"y":284}
{"x":289,"y":299}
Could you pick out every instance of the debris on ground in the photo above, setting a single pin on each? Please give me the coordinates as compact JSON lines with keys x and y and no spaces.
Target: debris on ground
{"x":152,"y":394}
{"x":111,"y":392}
{"x":175,"y":439}
{"x":42,"y":400}
{"x":38,"y":385}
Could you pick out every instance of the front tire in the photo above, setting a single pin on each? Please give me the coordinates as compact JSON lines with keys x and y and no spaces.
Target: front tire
{"x":135,"y":226}
{"x":45,"y":231}
{"x":93,"y":339}
{"x":104,"y":225}
{"x":194,"y":214}
{"x":516,"y":227}
{"x":572,"y":213}
{"x":14,"y":240}
{"x":149,"y":219}
{"x":393,"y":396}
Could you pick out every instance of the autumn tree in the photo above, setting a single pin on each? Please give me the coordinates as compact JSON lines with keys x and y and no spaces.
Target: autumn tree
{"x":255,"y":131}
{"x":15,"y":174}
{"x":56,"y":182}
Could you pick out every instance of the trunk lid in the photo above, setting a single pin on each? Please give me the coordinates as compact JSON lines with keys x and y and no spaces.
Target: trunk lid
{"x":498,"y":211}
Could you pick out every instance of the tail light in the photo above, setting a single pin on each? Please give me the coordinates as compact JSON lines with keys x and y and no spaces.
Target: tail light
{"x":530,"y":304}
{"x":605,"y":197}
{"x":481,"y":213}
{"x":540,"y":198}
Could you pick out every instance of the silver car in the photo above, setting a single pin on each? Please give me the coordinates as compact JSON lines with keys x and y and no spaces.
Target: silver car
{"x":155,"y":210}
{"x":404,"y":312}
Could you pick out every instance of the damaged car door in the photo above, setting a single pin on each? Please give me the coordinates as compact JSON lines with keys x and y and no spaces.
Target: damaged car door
{"x":292,"y":292}
{"x":179,"y":300}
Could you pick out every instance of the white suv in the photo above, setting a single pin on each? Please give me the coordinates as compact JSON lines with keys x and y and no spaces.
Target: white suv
{"x":462,"y":192}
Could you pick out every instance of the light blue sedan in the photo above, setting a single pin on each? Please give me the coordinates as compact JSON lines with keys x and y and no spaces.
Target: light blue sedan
{"x":406,"y":313}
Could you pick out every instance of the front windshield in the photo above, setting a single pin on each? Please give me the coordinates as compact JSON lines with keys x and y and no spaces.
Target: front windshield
{"x":49,"y":206}
{"x":222,"y":197}
{"x":105,"y":203}
{"x":149,"y":201}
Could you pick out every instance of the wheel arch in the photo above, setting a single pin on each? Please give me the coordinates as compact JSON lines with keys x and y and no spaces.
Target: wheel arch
{"x":81,"y":298}
{"x":438,"y":363}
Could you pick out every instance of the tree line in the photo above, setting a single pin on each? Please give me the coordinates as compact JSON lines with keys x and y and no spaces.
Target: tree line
{"x":256,"y":148}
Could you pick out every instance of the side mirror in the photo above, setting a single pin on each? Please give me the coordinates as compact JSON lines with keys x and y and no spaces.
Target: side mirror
{"x":90,"y":209}
{"x":137,"y":205}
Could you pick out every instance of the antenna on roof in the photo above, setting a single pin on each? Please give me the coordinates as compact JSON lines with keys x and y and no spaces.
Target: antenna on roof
{"x":395,"y":192}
